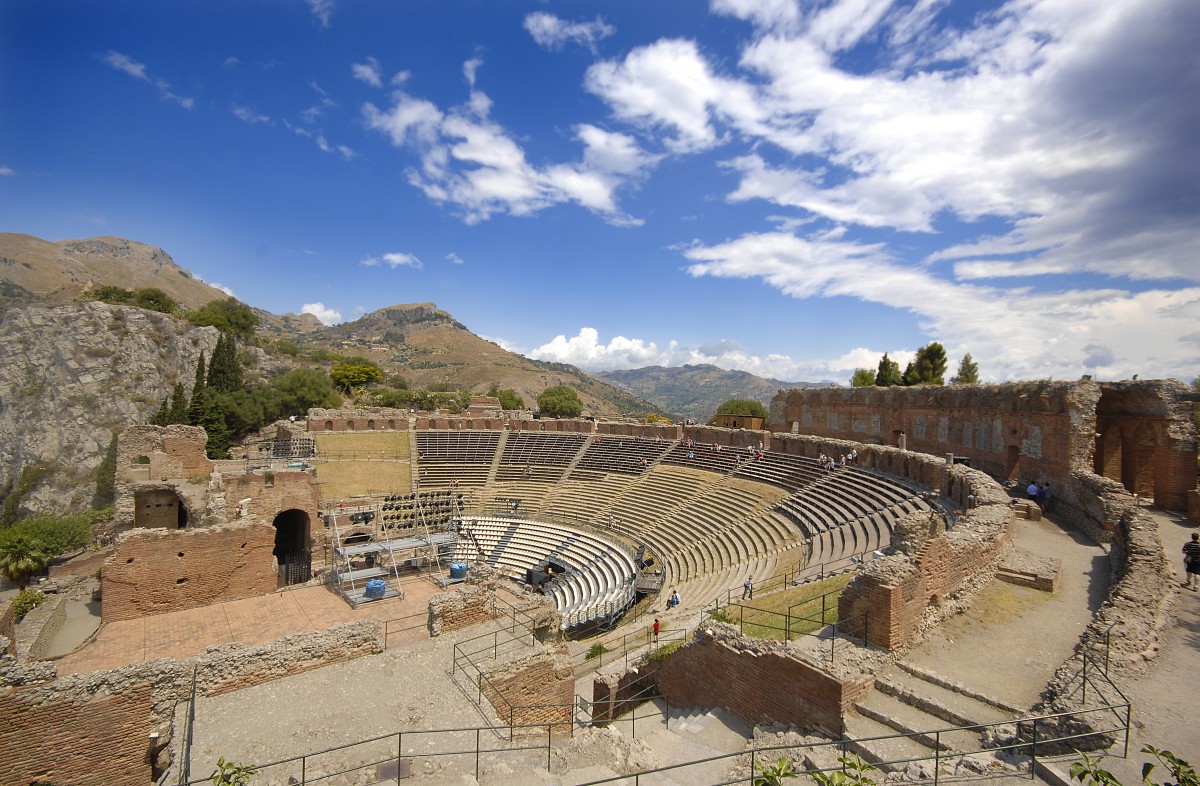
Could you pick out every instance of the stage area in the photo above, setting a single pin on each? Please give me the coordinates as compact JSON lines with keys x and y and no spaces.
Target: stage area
{"x":259,"y":620}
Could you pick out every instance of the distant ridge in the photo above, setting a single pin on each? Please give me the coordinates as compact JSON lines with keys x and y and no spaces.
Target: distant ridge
{"x":695,"y":392}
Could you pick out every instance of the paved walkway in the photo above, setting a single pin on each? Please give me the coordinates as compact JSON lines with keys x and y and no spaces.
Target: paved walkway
{"x":257,"y":620}
{"x":1012,"y":639}
{"x":1164,"y":697}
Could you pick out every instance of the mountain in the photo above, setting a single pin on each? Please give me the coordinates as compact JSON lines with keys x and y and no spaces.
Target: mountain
{"x":428,"y":346}
{"x":695,"y":392}
{"x":33,"y":270}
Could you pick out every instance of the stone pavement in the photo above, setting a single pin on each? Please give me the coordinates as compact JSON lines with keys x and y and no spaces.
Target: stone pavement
{"x":1165,"y":696}
{"x":257,"y":620}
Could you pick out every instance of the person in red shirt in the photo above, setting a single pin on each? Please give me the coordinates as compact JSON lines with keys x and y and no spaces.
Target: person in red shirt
{"x":655,"y":630}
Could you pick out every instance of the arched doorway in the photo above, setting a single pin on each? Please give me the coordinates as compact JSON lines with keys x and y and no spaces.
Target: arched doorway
{"x":291,"y":547}
{"x":159,"y":509}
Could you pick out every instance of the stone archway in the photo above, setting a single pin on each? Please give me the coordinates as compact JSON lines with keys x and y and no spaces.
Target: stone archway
{"x":159,"y":509}
{"x":292,"y":551}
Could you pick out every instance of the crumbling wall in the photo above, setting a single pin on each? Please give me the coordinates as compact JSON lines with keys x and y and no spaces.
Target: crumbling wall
{"x":156,"y":571}
{"x":461,"y":607}
{"x":271,"y":495}
{"x":533,"y":692}
{"x":71,"y":741}
{"x":159,"y":458}
{"x":50,"y":705}
{"x":758,"y":681}
{"x":353,"y":420}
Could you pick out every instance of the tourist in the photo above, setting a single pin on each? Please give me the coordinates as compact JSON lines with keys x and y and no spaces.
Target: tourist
{"x":1033,"y":490}
{"x":675,"y":600}
{"x":655,"y":629}
{"x":1041,"y":497}
{"x":1048,"y":498}
{"x":748,"y":589}
{"x":1191,"y":561}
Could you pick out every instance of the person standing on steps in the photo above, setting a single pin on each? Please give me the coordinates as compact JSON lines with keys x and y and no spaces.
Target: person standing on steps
{"x":655,"y":629}
{"x":1191,"y":562}
{"x":748,"y":589}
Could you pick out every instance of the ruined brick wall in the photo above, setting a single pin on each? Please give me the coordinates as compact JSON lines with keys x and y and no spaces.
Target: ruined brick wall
{"x":370,"y":419}
{"x":757,"y":685}
{"x":157,"y":458}
{"x":284,"y":491}
{"x":538,"y":689}
{"x":728,"y":437}
{"x":156,"y":571}
{"x":75,"y":741}
{"x":666,"y":431}
{"x":461,"y":607}
{"x":166,"y":682}
{"x":8,"y":626}
{"x":617,"y":694}
{"x":1140,"y":433}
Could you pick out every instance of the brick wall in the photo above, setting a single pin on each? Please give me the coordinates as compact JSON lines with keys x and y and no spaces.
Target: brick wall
{"x":461,"y":607}
{"x":615,"y":695}
{"x":71,"y":742}
{"x":892,"y":593}
{"x":538,"y":689}
{"x":286,"y":491}
{"x":156,"y":571}
{"x":757,"y":686}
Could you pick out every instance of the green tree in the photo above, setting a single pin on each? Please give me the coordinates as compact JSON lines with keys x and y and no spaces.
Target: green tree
{"x":224,"y":371}
{"x":303,"y":388}
{"x":21,"y":556}
{"x":106,"y":476}
{"x":196,"y":403}
{"x":391,"y":397}
{"x":560,"y":401}
{"x":743,"y":406}
{"x":348,"y":376}
{"x":228,"y":773}
{"x":931,"y":364}
{"x":155,"y":299}
{"x":888,"y":374}
{"x":968,"y":372}
{"x":55,"y":534}
{"x":228,"y":316}
{"x":911,"y":375}
{"x":178,"y":412}
{"x":508,"y":397}
{"x":863,"y":378}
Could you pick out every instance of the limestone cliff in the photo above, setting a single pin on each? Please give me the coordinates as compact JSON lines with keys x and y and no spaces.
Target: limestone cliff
{"x":70,"y":375}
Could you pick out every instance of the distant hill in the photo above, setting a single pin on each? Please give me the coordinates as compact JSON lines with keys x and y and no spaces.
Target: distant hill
{"x":695,"y":392}
{"x":428,"y":346}
{"x":33,"y":270}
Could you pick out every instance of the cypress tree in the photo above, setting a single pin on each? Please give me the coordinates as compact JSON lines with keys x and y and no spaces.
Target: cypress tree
{"x":224,"y":372}
{"x":195,"y":410}
{"x":179,"y":406}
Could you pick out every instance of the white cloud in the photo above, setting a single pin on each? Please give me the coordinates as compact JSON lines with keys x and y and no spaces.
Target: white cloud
{"x":90,"y":217}
{"x":249,"y":116}
{"x":1023,"y":331}
{"x":470,"y":68}
{"x":552,"y":32}
{"x":586,"y":351}
{"x":454,"y":259}
{"x":215,"y":285}
{"x":231,"y":62}
{"x":322,"y":10}
{"x":327,"y":316}
{"x":368,"y":72}
{"x":7,"y":171}
{"x":472,"y":163}
{"x":127,"y":65}
{"x":393,"y":260}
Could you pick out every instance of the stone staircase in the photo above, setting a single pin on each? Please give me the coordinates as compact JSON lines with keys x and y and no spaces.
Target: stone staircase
{"x":934,"y":713}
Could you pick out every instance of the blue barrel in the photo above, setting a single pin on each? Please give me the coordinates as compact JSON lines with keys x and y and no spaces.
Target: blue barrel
{"x":458,"y":570}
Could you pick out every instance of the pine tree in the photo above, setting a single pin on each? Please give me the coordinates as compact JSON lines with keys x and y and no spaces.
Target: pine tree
{"x":888,"y":374}
{"x":195,"y":409}
{"x":931,"y":364}
{"x":179,"y":406}
{"x":968,"y":372}
{"x":224,"y":372}
{"x":162,"y":415}
{"x":911,"y":376}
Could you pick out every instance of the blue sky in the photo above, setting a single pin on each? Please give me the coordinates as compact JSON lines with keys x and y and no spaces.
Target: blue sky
{"x":786,"y":188}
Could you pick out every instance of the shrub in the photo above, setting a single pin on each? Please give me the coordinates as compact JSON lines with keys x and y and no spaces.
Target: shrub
{"x":26,"y":601}
{"x":595,"y":651}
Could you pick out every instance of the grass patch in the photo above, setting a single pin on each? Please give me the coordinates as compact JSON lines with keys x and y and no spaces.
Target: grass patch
{"x":767,"y":617}
{"x":363,"y":463}
{"x":662,"y":652}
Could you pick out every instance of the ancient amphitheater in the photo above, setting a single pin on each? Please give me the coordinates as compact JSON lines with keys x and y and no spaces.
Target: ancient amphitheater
{"x":374,"y":595}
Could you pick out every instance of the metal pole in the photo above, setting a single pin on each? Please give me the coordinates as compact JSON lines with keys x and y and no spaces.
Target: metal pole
{"x":937,"y":748}
{"x":1128,"y":720}
{"x":1033,"y":752}
{"x":1085,"y":662}
{"x":303,"y":770}
{"x":399,"y":751}
{"x":476,"y":753}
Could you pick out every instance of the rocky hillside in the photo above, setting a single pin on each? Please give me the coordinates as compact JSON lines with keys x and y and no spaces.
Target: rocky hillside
{"x":695,"y":392}
{"x":70,"y":375}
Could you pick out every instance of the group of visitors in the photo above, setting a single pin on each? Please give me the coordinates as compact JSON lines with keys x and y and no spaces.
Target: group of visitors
{"x":1040,"y":493}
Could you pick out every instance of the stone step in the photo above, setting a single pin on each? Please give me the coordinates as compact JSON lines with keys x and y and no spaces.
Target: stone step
{"x":890,"y":754}
{"x":937,"y":699}
{"x":927,"y":729}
